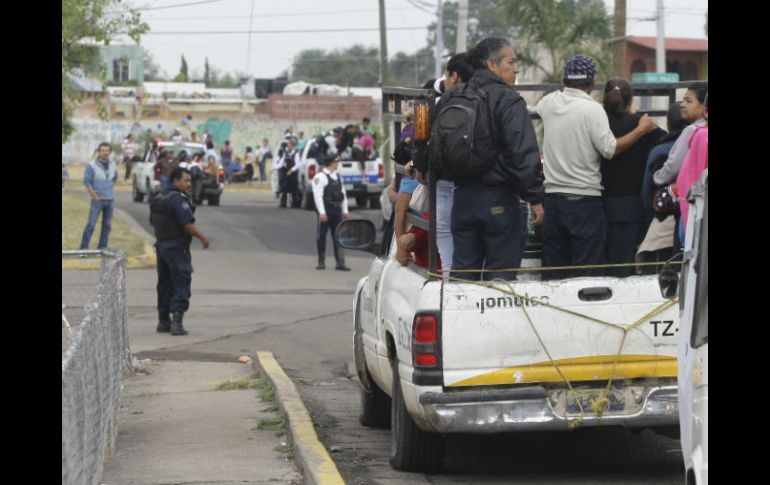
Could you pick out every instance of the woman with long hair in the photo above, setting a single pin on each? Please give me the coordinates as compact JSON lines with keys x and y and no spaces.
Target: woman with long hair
{"x":622,"y":178}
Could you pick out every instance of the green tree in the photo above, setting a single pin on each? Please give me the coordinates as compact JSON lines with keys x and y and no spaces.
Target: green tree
{"x":151,"y":68}
{"x":183,"y":75}
{"x":486,"y":18}
{"x":562,"y":29}
{"x":354,"y":66}
{"x":98,"y":21}
{"x":207,"y":73}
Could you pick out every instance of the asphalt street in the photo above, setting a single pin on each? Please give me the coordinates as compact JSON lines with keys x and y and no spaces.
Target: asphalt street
{"x":256,"y":288}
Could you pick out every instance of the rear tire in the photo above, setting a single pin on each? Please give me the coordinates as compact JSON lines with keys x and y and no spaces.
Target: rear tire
{"x":411,"y":449}
{"x":138,"y":196}
{"x":361,"y":201}
{"x":375,"y":407}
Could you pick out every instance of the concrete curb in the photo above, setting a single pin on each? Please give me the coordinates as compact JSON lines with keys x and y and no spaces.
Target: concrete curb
{"x":315,"y":462}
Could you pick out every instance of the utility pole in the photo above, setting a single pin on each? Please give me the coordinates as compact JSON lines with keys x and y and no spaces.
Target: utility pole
{"x":660,"y":46}
{"x":248,"y":49}
{"x":619,"y":47}
{"x":439,"y":38}
{"x":384,"y":82}
{"x":462,"y":26}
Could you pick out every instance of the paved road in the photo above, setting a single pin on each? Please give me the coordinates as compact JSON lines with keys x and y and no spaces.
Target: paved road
{"x":256,"y":288}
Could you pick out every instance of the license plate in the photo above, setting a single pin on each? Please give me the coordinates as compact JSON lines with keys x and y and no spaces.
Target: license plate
{"x":348,"y":186}
{"x":588,"y":397}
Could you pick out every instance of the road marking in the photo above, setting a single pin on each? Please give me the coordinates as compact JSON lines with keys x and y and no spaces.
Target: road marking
{"x":318,"y":466}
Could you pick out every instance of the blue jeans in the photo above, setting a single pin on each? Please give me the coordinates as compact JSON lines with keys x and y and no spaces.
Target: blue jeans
{"x":103,"y":207}
{"x":444,"y":202}
{"x":262,"y":177}
{"x":165,"y":183}
{"x":524,"y":219}
{"x":486,"y":230}
{"x":574,"y":234}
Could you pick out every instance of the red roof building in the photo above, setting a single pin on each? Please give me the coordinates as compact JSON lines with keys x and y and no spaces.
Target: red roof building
{"x":688,"y":57}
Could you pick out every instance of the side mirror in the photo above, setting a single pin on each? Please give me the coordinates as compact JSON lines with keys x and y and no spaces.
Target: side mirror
{"x":668,"y":279}
{"x":357,"y":234}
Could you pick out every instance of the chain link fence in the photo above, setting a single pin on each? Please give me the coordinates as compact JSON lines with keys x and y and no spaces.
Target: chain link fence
{"x":96,"y":360}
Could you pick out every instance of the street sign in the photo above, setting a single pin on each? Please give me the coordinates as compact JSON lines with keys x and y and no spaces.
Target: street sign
{"x":655,"y":77}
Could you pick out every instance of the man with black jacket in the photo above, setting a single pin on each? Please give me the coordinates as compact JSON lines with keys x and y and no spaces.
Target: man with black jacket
{"x":486,"y":221}
{"x":171,"y":215}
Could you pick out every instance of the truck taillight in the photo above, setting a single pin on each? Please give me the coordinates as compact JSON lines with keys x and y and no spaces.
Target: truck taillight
{"x":425,"y":359}
{"x":425,"y":329}
{"x":425,"y":341}
{"x":311,"y":172}
{"x":380,"y":171}
{"x":221,"y":175}
{"x":157,"y":173}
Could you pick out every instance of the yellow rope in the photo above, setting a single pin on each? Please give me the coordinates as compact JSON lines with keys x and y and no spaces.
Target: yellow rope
{"x":599,"y":406}
{"x":552,"y":268}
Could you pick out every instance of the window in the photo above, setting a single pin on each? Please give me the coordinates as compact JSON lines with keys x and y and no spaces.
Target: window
{"x":120,"y":70}
{"x":638,"y":66}
{"x":689,"y":71}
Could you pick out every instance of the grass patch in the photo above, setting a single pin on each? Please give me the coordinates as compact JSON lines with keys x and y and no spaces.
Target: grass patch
{"x":236,"y":385}
{"x":74,"y":215}
{"x":272,"y":424}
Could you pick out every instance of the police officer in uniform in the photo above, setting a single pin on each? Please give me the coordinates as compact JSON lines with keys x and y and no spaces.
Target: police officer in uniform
{"x":331,"y":202}
{"x":171,"y":215}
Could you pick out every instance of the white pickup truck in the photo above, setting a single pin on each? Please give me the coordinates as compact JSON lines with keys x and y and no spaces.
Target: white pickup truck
{"x":436,"y":358}
{"x":146,"y":176}
{"x":357,"y":187}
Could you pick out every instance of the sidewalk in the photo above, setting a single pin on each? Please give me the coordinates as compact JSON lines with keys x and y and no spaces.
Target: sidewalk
{"x":176,"y":428}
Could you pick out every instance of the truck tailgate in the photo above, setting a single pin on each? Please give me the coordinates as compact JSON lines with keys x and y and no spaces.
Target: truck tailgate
{"x":487,"y":338}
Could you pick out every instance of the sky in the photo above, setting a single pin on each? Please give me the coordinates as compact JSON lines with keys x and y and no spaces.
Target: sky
{"x":269,"y":54}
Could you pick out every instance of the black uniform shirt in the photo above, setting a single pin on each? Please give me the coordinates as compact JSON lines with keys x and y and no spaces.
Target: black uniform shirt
{"x":181,"y":207}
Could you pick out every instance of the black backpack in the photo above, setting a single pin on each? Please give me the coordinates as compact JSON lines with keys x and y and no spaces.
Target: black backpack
{"x":319,"y":147}
{"x":461,"y":144}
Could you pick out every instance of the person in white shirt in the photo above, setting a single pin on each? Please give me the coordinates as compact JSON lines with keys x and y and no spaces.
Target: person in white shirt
{"x":288,"y":170}
{"x":177,"y":136}
{"x":576,"y":135}
{"x":331,"y":203}
{"x":263,"y":153}
{"x":129,"y":149}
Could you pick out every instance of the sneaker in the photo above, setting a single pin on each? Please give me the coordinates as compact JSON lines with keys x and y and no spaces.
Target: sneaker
{"x":341,"y":267}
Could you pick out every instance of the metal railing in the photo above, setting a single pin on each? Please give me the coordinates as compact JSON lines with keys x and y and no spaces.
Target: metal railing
{"x":96,"y":361}
{"x":394,"y":98}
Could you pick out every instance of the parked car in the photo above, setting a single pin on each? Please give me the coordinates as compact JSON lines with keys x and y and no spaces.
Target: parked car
{"x":146,"y":177}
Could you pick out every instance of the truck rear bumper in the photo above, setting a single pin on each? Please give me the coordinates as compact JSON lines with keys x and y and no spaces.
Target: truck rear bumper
{"x":531,"y":408}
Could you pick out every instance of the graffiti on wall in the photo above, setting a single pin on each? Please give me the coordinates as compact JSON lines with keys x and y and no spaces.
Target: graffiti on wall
{"x":241,"y":130}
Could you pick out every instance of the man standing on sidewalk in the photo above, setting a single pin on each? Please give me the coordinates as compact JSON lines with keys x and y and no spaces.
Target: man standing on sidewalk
{"x":171,"y":215}
{"x":100,"y":178}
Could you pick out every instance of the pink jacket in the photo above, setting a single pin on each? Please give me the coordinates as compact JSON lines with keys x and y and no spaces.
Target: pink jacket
{"x":696,"y":161}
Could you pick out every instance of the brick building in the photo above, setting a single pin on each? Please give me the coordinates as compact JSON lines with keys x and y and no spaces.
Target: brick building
{"x":688,"y":57}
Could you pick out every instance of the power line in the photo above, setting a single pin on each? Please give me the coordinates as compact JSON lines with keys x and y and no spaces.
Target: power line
{"x":420,"y":7}
{"x":301,"y":14}
{"x":177,"y":5}
{"x":306,"y":31}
